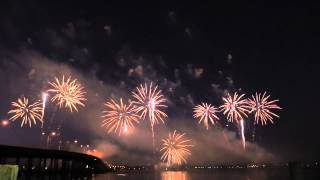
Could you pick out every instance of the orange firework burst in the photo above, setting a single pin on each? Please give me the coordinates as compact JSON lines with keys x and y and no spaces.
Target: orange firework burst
{"x":149,"y":100}
{"x":29,"y":113}
{"x":206,"y":112}
{"x":235,"y":107}
{"x":262,"y":108}
{"x":175,"y":149}
{"x":68,"y":93}
{"x":119,"y":117}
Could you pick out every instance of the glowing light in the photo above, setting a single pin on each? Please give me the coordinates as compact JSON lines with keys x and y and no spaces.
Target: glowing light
{"x":44,"y":100}
{"x":68,"y":93}
{"x":119,"y":117}
{"x":149,"y":100}
{"x":262,"y":108}
{"x":205,"y":112}
{"x":29,"y":113}
{"x":5,"y":123}
{"x":95,"y":153}
{"x":243,"y":137}
{"x":235,"y":107}
{"x":53,"y":133}
{"x":175,"y":175}
{"x":175,"y":149}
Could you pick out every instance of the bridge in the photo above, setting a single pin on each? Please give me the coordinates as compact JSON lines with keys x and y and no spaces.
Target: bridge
{"x":32,"y":160}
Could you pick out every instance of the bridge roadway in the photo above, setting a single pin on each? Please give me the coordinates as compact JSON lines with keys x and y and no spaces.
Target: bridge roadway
{"x":32,"y":160}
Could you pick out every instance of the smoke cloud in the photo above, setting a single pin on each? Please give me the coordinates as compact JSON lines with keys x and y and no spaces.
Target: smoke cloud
{"x":27,"y":74}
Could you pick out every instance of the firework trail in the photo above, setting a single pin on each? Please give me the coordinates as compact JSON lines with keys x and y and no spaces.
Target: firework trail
{"x":243,"y":137}
{"x":205,"y":112}
{"x":67,"y":93}
{"x":149,"y":101}
{"x":119,"y":117}
{"x":29,"y":113}
{"x":44,"y":100}
{"x":175,"y":149}
{"x":235,"y":107}
{"x":262,"y":108}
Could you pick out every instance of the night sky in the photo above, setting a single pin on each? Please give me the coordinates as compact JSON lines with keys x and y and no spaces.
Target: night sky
{"x":194,"y":51}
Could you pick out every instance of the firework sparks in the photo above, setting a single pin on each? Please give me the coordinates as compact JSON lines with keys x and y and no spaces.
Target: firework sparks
{"x":235,"y":107}
{"x":206,"y":112}
{"x":175,"y":149}
{"x":29,"y":113}
{"x":262,"y":108}
{"x":149,"y":100}
{"x":68,"y":93}
{"x":119,"y":117}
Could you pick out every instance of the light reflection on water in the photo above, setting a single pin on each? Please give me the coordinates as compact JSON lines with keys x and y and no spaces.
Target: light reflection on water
{"x":166,"y":175}
{"x":271,"y":174}
{"x":175,"y":175}
{"x":262,"y":174}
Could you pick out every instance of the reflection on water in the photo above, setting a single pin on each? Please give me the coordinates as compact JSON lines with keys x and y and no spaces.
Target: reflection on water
{"x":247,"y":174}
{"x":175,"y":175}
{"x":267,"y":174}
{"x":166,"y":175}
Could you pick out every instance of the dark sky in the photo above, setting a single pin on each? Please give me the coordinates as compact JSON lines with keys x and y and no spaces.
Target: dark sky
{"x":240,"y":46}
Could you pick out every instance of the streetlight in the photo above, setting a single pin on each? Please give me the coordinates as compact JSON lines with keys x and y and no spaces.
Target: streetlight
{"x":52,"y":134}
{"x":4,"y":123}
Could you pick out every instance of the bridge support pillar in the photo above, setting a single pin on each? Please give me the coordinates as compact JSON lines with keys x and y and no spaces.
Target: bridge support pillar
{"x":40,"y":164}
{"x":30,"y":163}
{"x":17,"y":160}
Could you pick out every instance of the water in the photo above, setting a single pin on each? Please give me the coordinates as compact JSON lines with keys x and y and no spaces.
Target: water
{"x":242,"y":174}
{"x":199,"y":175}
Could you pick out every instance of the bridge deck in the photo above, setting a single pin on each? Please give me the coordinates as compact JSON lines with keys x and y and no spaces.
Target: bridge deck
{"x":42,"y":160}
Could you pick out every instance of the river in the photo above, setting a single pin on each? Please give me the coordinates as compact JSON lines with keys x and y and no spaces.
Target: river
{"x":256,"y":174}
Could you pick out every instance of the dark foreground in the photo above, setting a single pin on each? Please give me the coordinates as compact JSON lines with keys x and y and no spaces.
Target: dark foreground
{"x":247,"y":174}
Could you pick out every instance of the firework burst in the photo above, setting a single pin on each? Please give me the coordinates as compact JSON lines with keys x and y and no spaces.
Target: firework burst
{"x":235,"y":107}
{"x":262,"y":107}
{"x":205,"y":112}
{"x":67,"y":93}
{"x":149,"y":100}
{"x":119,"y":117}
{"x":175,"y":149}
{"x":29,"y":113}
